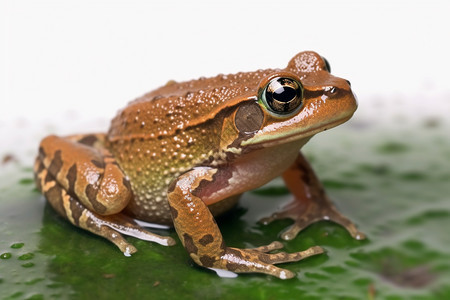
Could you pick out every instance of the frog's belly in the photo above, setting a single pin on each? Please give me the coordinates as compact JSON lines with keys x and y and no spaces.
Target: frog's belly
{"x":159,"y":213}
{"x":151,"y":207}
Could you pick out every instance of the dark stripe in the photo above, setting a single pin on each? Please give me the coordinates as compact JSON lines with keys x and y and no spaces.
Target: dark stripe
{"x":189,"y":244}
{"x":77,"y":210}
{"x":174,"y":212}
{"x":56,"y":164}
{"x":40,"y":166}
{"x":42,"y":153}
{"x":54,"y":197}
{"x":91,"y":193}
{"x":206,"y":239}
{"x":72,"y":178}
{"x":48,"y":178}
{"x":88,"y":140}
{"x":207,"y":261}
{"x":98,"y":164}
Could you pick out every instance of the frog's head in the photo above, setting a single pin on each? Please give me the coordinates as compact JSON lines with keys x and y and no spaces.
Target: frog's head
{"x":295,"y":103}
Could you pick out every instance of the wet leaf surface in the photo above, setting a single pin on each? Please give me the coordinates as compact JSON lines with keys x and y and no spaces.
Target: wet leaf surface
{"x":392,"y":183}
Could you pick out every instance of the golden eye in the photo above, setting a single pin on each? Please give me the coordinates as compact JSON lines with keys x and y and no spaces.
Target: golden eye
{"x":283,"y":95}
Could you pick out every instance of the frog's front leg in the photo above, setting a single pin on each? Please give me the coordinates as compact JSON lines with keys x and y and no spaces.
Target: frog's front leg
{"x":311,"y":204}
{"x":201,"y":236}
{"x":84,"y":184}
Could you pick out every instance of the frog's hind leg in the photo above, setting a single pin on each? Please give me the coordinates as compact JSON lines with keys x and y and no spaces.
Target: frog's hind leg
{"x":108,"y":227}
{"x":311,"y":204}
{"x":203,"y":240}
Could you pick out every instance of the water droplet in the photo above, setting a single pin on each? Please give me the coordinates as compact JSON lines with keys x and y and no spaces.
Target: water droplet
{"x":26,"y":256}
{"x":5,"y":255}
{"x":17,"y":245}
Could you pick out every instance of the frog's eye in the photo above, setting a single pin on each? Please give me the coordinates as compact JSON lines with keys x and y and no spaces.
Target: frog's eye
{"x":327,"y":64}
{"x":283,"y":95}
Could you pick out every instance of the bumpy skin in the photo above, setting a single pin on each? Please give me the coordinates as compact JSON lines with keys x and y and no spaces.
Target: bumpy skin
{"x":183,"y":154}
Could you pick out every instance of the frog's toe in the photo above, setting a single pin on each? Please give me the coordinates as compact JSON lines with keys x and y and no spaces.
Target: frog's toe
{"x":301,"y":221}
{"x":118,"y":240}
{"x":255,"y":261}
{"x":267,"y":248}
{"x":292,"y":231}
{"x":283,"y":257}
{"x":270,"y":219}
{"x":334,"y":216}
{"x":125,"y":225}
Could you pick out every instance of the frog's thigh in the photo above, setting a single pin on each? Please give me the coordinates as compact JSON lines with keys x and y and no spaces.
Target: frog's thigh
{"x":85,"y":169}
{"x":108,"y":227}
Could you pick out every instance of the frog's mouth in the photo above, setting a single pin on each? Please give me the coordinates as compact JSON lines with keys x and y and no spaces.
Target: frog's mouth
{"x":269,"y":140}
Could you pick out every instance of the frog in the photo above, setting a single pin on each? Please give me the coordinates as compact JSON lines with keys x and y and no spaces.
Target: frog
{"x":184,"y":153}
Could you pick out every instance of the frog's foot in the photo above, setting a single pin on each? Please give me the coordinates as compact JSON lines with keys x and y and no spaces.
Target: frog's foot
{"x":125,"y":225}
{"x":257,"y":260}
{"x":112,"y":227}
{"x":305,"y":214}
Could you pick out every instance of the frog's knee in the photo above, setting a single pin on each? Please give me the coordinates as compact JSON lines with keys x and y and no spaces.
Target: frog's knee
{"x":114,"y":192}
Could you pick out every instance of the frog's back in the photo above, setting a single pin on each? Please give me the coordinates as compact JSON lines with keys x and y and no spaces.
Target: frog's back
{"x":176,"y":106}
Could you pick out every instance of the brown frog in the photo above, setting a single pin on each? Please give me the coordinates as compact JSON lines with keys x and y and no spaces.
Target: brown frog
{"x":184,"y":152}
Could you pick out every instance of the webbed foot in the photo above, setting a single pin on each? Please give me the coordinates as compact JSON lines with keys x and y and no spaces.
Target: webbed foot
{"x":305,"y":214}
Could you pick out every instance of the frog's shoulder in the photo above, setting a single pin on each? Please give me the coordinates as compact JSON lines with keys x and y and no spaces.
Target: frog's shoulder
{"x":177,"y":106}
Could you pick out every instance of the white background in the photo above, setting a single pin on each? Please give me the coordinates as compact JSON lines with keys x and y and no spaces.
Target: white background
{"x":65,"y":60}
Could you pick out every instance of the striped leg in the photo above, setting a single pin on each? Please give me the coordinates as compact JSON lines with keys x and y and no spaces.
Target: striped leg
{"x":58,"y":182}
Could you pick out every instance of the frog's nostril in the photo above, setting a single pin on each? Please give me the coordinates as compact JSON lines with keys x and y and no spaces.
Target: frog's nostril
{"x":349,"y":84}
